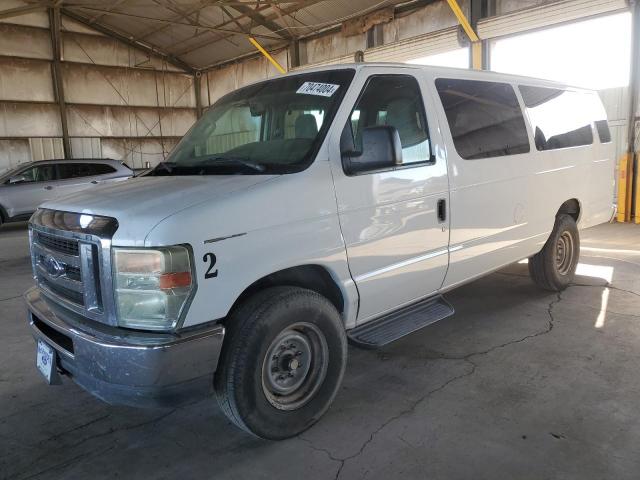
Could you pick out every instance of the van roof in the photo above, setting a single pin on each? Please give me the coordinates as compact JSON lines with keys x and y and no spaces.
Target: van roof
{"x":443,"y":71}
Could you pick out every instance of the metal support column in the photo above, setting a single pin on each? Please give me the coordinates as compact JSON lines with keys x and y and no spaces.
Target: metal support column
{"x":56,"y":74}
{"x":480,"y":9}
{"x":476,"y":43}
{"x":634,"y":112}
{"x":197,"y":85}
{"x":294,"y":53}
{"x":628,"y":177}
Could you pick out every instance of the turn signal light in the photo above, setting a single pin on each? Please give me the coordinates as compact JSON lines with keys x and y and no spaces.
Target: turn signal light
{"x":175,"y":280}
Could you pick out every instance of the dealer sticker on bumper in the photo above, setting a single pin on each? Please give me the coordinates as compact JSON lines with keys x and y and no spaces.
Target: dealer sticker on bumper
{"x":45,"y":360}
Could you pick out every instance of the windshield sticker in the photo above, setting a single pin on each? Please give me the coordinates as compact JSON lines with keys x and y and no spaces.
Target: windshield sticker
{"x":316,"y":88}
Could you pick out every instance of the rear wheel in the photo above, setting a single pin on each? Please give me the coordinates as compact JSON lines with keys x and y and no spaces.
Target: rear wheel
{"x":282,"y":363}
{"x":554,"y":267}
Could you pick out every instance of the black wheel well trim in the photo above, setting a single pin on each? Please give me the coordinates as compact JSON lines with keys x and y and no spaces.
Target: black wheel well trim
{"x":310,"y":276}
{"x":571,"y":207}
{"x":3,"y":214}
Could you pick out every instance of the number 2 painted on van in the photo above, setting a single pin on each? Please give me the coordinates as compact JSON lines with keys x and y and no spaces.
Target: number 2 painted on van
{"x":210,"y":258}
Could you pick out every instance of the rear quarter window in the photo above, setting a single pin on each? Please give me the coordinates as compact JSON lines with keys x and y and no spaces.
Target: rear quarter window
{"x":484,"y":118}
{"x":561,"y":118}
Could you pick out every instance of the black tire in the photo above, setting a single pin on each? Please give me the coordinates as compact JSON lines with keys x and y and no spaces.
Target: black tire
{"x":245,"y":379}
{"x":554,"y":267}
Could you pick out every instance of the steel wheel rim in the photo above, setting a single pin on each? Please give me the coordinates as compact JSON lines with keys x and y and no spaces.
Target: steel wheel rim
{"x":564,"y":253}
{"x":295,"y":366}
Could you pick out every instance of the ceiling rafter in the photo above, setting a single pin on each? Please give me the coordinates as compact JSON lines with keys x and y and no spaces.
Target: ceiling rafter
{"x":171,"y":22}
{"x":286,"y":11}
{"x":152,"y":50}
{"x":260,"y":19}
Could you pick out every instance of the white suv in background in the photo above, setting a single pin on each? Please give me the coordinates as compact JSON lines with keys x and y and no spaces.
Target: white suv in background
{"x":25,"y":187}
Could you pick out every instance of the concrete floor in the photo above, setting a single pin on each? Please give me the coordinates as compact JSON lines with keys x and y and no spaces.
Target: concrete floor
{"x":520,"y":383}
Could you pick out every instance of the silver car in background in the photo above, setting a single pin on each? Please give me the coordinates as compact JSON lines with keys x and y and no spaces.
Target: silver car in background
{"x":25,"y":187}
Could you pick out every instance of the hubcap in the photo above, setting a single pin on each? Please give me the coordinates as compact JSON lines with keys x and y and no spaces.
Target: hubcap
{"x":295,"y":366}
{"x":564,"y":253}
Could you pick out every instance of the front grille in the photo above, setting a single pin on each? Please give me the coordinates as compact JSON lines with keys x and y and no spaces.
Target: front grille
{"x":71,"y":258}
{"x":73,"y":273}
{"x":58,"y":244}
{"x":63,"y":292}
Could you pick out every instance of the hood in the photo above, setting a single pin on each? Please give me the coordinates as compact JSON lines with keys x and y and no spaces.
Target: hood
{"x":140,"y":203}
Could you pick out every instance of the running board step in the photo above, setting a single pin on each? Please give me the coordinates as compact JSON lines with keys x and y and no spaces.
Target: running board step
{"x":395,"y":325}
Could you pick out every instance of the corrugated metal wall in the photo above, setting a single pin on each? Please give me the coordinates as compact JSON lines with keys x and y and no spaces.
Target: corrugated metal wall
{"x":121,"y":102}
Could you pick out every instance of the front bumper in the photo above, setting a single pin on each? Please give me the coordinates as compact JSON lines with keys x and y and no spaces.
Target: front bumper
{"x":126,"y":367}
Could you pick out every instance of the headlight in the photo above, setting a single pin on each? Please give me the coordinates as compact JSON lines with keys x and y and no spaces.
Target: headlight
{"x":152,"y":286}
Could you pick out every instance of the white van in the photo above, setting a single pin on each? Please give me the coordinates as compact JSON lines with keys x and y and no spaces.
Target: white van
{"x":299,"y":212}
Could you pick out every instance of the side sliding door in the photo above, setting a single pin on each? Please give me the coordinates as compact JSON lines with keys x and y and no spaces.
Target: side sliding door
{"x":489,"y":158}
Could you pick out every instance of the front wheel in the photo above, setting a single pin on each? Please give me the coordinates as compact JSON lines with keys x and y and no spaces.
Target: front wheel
{"x":554,"y":267}
{"x":282,"y":363}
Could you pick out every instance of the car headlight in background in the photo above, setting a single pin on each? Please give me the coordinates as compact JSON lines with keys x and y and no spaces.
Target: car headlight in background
{"x":152,"y":286}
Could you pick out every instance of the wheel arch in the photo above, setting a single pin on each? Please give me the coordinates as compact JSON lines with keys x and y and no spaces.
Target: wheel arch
{"x":311,"y":276}
{"x":571,"y":207}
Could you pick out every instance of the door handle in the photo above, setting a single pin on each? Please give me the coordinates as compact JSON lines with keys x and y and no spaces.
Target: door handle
{"x":95,"y":182}
{"x":442,"y":210}
{"x":48,"y":187}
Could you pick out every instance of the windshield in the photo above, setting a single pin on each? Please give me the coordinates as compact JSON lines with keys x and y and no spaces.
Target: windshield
{"x":272,"y":127}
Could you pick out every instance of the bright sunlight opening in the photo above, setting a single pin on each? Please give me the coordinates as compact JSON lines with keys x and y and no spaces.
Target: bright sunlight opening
{"x":458,"y":58}
{"x":592,"y":54}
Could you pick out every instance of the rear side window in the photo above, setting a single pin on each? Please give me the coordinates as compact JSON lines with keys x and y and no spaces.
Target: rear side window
{"x":560,"y":118}
{"x":485,"y":118}
{"x":77,"y":170}
{"x":602,"y":126}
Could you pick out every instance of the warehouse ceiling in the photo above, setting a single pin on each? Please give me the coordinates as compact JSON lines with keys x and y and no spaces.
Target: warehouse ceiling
{"x":197,"y":34}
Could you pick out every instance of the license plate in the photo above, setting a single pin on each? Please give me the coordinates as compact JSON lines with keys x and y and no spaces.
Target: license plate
{"x":45,"y":360}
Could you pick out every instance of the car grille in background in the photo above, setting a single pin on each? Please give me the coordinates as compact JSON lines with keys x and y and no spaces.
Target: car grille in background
{"x":58,"y":244}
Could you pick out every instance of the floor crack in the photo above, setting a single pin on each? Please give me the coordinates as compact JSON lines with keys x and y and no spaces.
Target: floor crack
{"x":10,"y":298}
{"x":464,"y":358}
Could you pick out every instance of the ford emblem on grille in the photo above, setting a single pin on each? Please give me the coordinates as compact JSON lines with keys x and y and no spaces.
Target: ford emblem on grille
{"x":53,"y":267}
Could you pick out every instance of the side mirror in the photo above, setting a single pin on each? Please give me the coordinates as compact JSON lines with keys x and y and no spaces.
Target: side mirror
{"x":381,"y":149}
{"x":17,"y":179}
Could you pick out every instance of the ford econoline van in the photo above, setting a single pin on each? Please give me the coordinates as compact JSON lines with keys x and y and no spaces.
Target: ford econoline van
{"x":303,"y":212}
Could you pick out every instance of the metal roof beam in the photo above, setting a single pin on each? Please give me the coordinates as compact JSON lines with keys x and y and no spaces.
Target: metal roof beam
{"x":263,"y":21}
{"x":17,"y":11}
{"x":173,"y":60}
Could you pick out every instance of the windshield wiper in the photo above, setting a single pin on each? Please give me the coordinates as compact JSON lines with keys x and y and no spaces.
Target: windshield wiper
{"x":241,"y":161}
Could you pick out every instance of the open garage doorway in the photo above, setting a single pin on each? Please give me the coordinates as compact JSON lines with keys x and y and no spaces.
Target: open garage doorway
{"x":592,"y":53}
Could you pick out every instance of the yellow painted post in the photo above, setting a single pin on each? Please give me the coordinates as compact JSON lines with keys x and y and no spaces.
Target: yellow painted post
{"x":625,"y":175}
{"x":476,"y":55}
{"x":275,"y":63}
{"x":476,"y":44}
{"x":637,"y":199}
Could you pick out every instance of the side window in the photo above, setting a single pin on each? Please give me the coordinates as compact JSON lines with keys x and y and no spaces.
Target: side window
{"x":559,"y":118}
{"x":393,"y":100}
{"x":100,"y":169}
{"x":78,"y":170}
{"x":485,"y":118}
{"x":68,"y":170}
{"x":604,"y":134}
{"x":42,"y":173}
